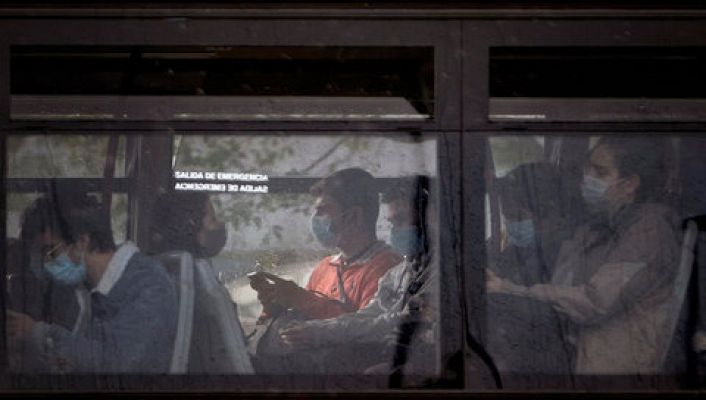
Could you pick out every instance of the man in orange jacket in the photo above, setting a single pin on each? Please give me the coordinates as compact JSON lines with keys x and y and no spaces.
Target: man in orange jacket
{"x":346,"y":211}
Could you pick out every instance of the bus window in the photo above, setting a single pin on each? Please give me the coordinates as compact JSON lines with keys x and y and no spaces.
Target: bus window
{"x":222,"y":83}
{"x":342,"y":231}
{"x":586,"y":278}
{"x":593,"y":84}
{"x":272,"y":231}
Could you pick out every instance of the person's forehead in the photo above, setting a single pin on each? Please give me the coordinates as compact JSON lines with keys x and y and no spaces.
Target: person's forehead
{"x":602,"y":157}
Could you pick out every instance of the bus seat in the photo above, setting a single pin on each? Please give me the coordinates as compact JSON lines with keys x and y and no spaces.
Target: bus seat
{"x":219,"y":343}
{"x":699,"y":338}
{"x":681,"y":284}
{"x":180,"y":265}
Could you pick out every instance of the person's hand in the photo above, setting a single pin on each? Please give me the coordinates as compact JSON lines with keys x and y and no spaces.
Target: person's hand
{"x":18,"y":325}
{"x":273,"y":289}
{"x":297,"y":335}
{"x":494,"y":283}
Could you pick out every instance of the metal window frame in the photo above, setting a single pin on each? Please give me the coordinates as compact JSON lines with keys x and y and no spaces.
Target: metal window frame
{"x":480,"y":36}
{"x":439,"y":35}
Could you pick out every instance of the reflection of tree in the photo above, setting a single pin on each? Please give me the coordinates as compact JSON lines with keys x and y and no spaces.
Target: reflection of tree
{"x":272,"y":155}
{"x":62,"y":156}
{"x":50,"y":156}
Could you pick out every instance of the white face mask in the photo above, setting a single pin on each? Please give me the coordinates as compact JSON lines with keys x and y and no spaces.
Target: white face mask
{"x":593,"y":191}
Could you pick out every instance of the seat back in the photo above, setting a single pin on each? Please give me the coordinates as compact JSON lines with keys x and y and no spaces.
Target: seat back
{"x":180,"y":265}
{"x":681,"y":282}
{"x":219,"y":343}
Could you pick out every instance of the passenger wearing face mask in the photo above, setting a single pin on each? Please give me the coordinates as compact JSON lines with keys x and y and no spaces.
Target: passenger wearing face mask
{"x":614,"y":277}
{"x":43,"y":294}
{"x":186,"y":221}
{"x":346,"y":211}
{"x":527,"y":337}
{"x":51,"y":296}
{"x":128,"y":318}
{"x":406,"y":294}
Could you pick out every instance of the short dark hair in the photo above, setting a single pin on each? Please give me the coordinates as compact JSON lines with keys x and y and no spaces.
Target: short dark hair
{"x":414,"y":190}
{"x":69,"y":214}
{"x":352,"y":187}
{"x":642,"y":156}
{"x":177,"y":218}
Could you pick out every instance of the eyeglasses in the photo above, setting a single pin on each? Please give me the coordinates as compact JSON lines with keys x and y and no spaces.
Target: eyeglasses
{"x":50,"y":252}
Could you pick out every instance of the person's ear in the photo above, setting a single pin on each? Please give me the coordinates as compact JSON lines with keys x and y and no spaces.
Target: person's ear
{"x":357,"y":216}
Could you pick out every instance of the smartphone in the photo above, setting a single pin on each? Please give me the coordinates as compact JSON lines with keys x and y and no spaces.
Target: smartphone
{"x":260,"y":276}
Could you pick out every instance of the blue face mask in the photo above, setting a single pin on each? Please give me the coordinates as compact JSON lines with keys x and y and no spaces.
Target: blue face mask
{"x":321,"y":229}
{"x":65,"y":271}
{"x":406,"y":241}
{"x":593,"y":191}
{"x":521,"y":233}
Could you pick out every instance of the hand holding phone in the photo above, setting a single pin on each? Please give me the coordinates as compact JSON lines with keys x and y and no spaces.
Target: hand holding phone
{"x":273,"y":289}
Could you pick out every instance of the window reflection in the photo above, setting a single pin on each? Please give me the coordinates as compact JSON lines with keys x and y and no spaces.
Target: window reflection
{"x":336,"y":260}
{"x":586,"y":272}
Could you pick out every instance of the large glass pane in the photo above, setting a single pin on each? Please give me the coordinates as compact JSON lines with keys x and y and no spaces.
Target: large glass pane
{"x":222,"y":83}
{"x":329,"y":236}
{"x":588,"y":260}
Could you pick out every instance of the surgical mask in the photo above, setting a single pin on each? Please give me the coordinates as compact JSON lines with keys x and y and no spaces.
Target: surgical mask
{"x":65,"y":271}
{"x":214,"y":241}
{"x":593,"y":191}
{"x":521,"y":233}
{"x":321,"y":229}
{"x":406,"y":241}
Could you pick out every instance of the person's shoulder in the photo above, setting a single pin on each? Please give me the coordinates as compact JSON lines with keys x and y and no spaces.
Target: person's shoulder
{"x":384,"y":258}
{"x":147,"y":269}
{"x":657,"y":212}
{"x":387,"y":255}
{"x":326,"y":264}
{"x":142,"y":260}
{"x":327,"y":261}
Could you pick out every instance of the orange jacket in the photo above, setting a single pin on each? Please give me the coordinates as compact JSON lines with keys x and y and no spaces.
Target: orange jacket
{"x":360,"y":280}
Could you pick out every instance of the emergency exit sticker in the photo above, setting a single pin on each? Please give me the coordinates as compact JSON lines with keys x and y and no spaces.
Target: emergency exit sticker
{"x":221,"y":182}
